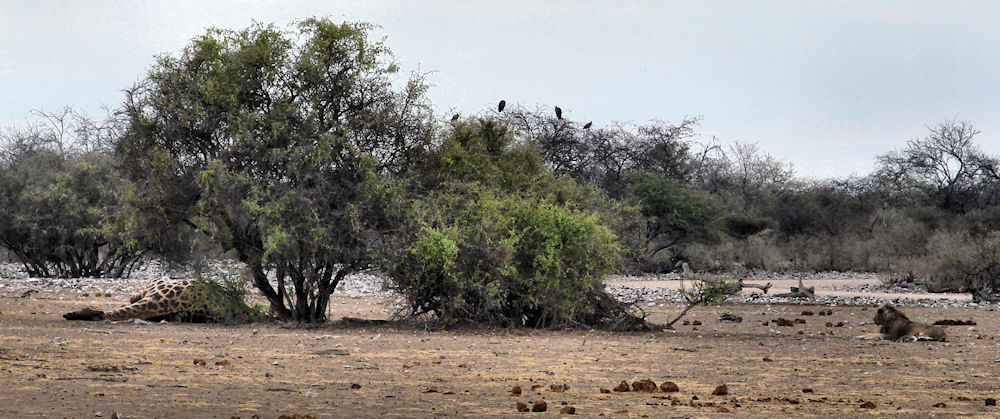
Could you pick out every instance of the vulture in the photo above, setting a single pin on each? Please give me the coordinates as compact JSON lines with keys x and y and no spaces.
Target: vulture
{"x":587,"y":125}
{"x":454,"y":117}
{"x":558,"y":112}
{"x":501,"y":105}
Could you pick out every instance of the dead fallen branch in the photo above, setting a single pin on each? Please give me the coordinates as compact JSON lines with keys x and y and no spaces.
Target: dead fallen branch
{"x":800,"y":291}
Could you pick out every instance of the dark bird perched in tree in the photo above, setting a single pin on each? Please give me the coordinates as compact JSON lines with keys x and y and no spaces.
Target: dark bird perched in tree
{"x":501,"y":105}
{"x":454,"y":117}
{"x":587,"y":125}
{"x":558,"y":112}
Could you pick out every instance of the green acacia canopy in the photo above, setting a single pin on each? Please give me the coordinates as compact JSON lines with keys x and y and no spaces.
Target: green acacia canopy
{"x":278,"y":145}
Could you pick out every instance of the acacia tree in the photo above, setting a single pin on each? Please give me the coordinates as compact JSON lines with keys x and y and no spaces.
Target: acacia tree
{"x":946,"y":165}
{"x":607,"y":157}
{"x":277,"y":144}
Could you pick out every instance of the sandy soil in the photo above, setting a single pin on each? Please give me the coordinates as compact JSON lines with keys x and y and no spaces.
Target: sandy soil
{"x":50,"y":367}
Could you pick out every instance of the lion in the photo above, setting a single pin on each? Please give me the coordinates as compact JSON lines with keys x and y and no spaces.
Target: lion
{"x":896,"y":326}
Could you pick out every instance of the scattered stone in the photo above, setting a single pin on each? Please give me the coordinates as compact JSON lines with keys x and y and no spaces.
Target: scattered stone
{"x":645,"y":385}
{"x":199,"y":361}
{"x":807,"y":313}
{"x":942,"y":405}
{"x":696,"y":323}
{"x":539,"y":406}
{"x":768,"y":359}
{"x":556,"y":388}
{"x":686,"y":322}
{"x":991,"y":401}
{"x":730,"y":317}
{"x":721,"y":390}
{"x":604,"y":390}
{"x":355,"y":386}
{"x":807,"y":390}
{"x":783,"y":322}
{"x":268,"y":375}
{"x":840,"y":324}
{"x":223,"y":363}
{"x":568,"y":410}
{"x":669,"y":387}
{"x":765,"y":323}
{"x":515,"y":391}
{"x":829,"y":324}
{"x":536,"y":387}
{"x":722,"y":409}
{"x":622,"y":386}
{"x":867,"y":405}
{"x":963,"y":399}
{"x":521,"y":407}
{"x":799,"y":321}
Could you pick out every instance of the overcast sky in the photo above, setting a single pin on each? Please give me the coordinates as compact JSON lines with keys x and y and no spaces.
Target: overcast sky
{"x":825,"y":85}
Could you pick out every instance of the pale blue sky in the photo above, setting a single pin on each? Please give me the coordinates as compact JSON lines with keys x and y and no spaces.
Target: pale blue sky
{"x":825,"y":85}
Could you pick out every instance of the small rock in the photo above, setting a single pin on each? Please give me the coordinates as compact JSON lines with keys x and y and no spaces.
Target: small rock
{"x":730,"y":317}
{"x":622,"y":386}
{"x":515,"y":391}
{"x":355,"y":386}
{"x":768,"y":359}
{"x":199,"y":361}
{"x":539,"y":406}
{"x":867,"y":405}
{"x":807,"y":390}
{"x":521,"y":407}
{"x":991,"y":401}
{"x":223,"y":363}
{"x":604,"y":390}
{"x":556,"y":388}
{"x":568,"y":410}
{"x":720,"y":390}
{"x":722,"y":409}
{"x":940,"y":405}
{"x":268,"y":375}
{"x":807,"y":313}
{"x":696,"y":323}
{"x":669,"y":387}
{"x":645,"y":385}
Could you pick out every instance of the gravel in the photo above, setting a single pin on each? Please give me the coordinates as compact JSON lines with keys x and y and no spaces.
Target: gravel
{"x":13,"y":281}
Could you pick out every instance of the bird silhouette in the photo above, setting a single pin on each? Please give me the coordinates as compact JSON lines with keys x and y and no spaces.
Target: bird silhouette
{"x":587,"y":125}
{"x":454,"y":117}
{"x":558,"y":112}
{"x":502,"y":104}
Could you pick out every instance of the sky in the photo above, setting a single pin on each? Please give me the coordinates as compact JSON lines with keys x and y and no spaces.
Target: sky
{"x":824,"y":85}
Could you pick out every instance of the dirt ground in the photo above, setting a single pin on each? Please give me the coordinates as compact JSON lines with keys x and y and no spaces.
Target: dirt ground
{"x":50,"y":367}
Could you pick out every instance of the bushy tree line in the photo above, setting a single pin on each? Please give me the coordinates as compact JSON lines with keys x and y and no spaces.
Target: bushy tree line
{"x":60,"y":192}
{"x":301,"y":152}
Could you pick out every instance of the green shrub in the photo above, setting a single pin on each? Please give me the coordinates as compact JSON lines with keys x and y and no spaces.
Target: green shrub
{"x":222,"y":300}
{"x":510,"y":262}
{"x":710,"y":289}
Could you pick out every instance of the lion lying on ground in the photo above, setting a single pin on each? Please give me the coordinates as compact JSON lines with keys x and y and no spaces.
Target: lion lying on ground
{"x":895,"y":326}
